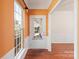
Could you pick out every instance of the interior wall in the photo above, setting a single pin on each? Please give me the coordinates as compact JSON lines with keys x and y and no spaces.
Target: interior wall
{"x":26,"y":24}
{"x":63,"y":22}
{"x":62,"y":27}
{"x":6,"y":26}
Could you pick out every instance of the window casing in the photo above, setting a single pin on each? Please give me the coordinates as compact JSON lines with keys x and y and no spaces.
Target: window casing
{"x":18,"y":27}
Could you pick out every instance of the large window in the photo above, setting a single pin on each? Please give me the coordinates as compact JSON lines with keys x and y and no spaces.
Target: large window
{"x":18,"y":27}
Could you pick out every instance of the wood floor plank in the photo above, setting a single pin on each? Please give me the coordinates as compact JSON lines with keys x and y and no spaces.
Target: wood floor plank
{"x":59,"y":51}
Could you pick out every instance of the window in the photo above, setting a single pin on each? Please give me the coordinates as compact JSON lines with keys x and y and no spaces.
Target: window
{"x":37,"y":23}
{"x":18,"y":27}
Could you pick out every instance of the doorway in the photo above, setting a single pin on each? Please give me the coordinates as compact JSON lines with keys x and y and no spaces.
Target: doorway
{"x":38,"y":38}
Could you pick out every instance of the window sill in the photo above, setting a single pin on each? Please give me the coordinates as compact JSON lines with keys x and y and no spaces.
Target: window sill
{"x":20,"y":54}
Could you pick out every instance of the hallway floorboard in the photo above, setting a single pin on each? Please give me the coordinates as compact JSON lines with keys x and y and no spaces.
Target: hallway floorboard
{"x":59,"y":51}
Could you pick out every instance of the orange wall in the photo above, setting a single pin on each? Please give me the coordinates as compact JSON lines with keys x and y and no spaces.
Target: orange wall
{"x":52,"y":5}
{"x":6,"y":26}
{"x":26,"y":24}
{"x":37,"y":12}
{"x":40,"y":12}
{"x":0,"y":29}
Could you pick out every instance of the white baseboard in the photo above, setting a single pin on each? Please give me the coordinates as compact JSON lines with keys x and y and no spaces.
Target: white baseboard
{"x":9,"y":55}
{"x":20,"y":54}
{"x":49,"y":44}
{"x":63,"y":42}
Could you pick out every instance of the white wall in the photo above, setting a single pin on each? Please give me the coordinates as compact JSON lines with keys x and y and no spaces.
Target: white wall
{"x":62,"y":27}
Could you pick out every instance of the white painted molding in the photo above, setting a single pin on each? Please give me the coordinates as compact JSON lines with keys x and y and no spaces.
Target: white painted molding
{"x":20,"y":54}
{"x":49,"y":32}
{"x":75,"y":29}
{"x":62,"y":42}
{"x":25,"y":47}
{"x":9,"y":55}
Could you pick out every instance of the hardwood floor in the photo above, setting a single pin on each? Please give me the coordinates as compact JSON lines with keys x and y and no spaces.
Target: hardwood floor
{"x":59,"y":51}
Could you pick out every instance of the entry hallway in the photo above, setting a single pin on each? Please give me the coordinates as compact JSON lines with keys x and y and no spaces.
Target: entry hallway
{"x":66,"y":51}
{"x":39,"y":29}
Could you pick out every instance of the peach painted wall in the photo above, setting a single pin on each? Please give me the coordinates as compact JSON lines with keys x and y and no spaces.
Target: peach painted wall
{"x":6,"y":26}
{"x":52,"y":5}
{"x":78,"y":29}
{"x":40,"y":12}
{"x":26,"y":24}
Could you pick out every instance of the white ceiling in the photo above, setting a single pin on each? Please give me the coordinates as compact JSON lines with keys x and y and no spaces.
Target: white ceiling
{"x":38,"y":4}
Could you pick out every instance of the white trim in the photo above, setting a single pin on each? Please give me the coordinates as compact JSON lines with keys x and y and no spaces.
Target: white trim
{"x":25,"y":46}
{"x":9,"y":55}
{"x":20,"y":54}
{"x":54,"y":6}
{"x":49,"y":32}
{"x":75,"y":29}
{"x":63,"y":42}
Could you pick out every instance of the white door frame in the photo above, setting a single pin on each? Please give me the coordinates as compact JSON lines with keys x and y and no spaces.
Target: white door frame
{"x":49,"y":26}
{"x":49,"y":33}
{"x":75,"y":29}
